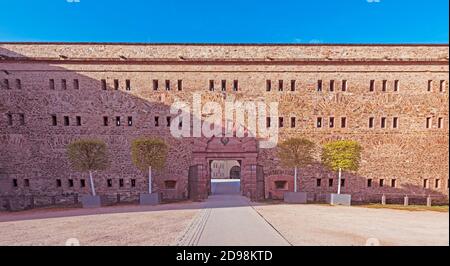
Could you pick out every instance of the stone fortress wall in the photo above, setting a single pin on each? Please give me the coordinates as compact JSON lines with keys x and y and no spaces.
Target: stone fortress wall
{"x":402,"y":122}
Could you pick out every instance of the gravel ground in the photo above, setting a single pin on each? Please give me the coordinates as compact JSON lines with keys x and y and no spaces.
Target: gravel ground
{"x":338,"y":225}
{"x":160,"y":227}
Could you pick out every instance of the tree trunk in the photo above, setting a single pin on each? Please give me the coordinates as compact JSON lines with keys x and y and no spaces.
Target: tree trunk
{"x":149,"y":180}
{"x":91,"y":180}
{"x":339,"y":182}
{"x":295,"y":179}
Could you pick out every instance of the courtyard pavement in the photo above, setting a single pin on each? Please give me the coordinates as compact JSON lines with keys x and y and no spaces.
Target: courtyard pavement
{"x":225,"y":218}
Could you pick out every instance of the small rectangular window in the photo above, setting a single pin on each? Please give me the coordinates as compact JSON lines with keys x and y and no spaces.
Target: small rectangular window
{"x":54,"y":120}
{"x":156,"y":121}
{"x":343,"y":122}
{"x":155,"y":85}
{"x":18,"y":84}
{"x":395,"y":122}
{"x":26,"y":182}
{"x":331,"y":85}
{"x":318,"y":182}
{"x":51,"y":84}
{"x":372,"y":85}
{"x":319,"y":122}
{"x":180,"y":85}
{"x":369,"y":182}
{"x":384,"y":86}
{"x":280,"y":184}
{"x":430,"y":85}
{"x":121,"y":183}
{"x":292,"y":122}
{"x":393,"y":183}
{"x":22,"y":119}
{"x":224,"y":85}
{"x":6,"y":84}
{"x":426,"y":183}
{"x":440,"y":122}
{"x":58,"y":183}
{"x":168,"y":121}
{"x":428,"y":123}
{"x":292,"y":85}
{"x":63,"y":84}
{"x":170,"y":184}
{"x":342,"y":182}
{"x":133,"y":182}
{"x":280,"y":121}
{"x":127,"y":85}
{"x":442,"y":86}
{"x":344,"y":85}
{"x":82,"y":183}
{"x":383,"y":122}
{"x":66,"y":121}
{"x":78,"y":119}
{"x":371,"y":122}
{"x":105,"y":121}
{"x":117,"y":120}
{"x":116,"y":84}
{"x":10,"y":119}
{"x":211,"y":85}
{"x":109,"y":182}
{"x":267,"y":122}
{"x":330,"y":182}
{"x":437,"y":183}
{"x":331,"y":124}
{"x":70,"y":182}
{"x":104,"y":84}
{"x":319,"y":85}
{"x":15,"y":183}
{"x":396,"y":85}
{"x":130,"y":121}
{"x":268,"y":85}
{"x":76,"y":84}
{"x":235,"y":85}
{"x":167,"y":83}
{"x":381,"y":182}
{"x":280,"y":85}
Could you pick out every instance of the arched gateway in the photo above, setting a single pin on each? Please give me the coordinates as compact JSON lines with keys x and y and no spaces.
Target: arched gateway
{"x":244,"y":150}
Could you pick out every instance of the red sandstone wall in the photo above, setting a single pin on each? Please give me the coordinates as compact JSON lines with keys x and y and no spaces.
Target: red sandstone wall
{"x":36,"y":150}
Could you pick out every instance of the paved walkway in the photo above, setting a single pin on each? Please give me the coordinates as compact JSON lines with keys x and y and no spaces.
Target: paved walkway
{"x":229,"y":219}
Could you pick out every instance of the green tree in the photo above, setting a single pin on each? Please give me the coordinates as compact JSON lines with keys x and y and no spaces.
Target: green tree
{"x":148,"y":153}
{"x":88,"y":155}
{"x":341,"y":155}
{"x":296,"y":153}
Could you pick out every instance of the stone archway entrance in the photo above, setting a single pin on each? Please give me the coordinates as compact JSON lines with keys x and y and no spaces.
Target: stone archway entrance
{"x":243,"y":150}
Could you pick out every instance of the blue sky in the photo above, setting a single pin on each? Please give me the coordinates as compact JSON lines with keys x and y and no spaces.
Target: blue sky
{"x":230,"y":21}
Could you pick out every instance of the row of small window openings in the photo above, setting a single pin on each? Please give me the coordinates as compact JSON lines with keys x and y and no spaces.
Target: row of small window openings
{"x":223,"y":85}
{"x":440,"y":123}
{"x":441,"y":85}
{"x":66,"y":120}
{"x":155,"y":84}
{"x":10,"y":119}
{"x":384,"y":85}
{"x":437,"y":183}
{"x":75,"y":84}
{"x":18,"y":84}
{"x":130,"y":121}
{"x":71,"y":182}
{"x":381,"y":183}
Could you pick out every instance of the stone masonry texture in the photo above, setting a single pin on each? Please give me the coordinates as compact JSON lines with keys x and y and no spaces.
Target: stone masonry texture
{"x":81,"y":84}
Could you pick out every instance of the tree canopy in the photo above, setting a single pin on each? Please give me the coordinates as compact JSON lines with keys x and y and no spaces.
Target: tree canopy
{"x":88,"y":155}
{"x":344,"y":154}
{"x":146,"y":152}
{"x":296,"y":152}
